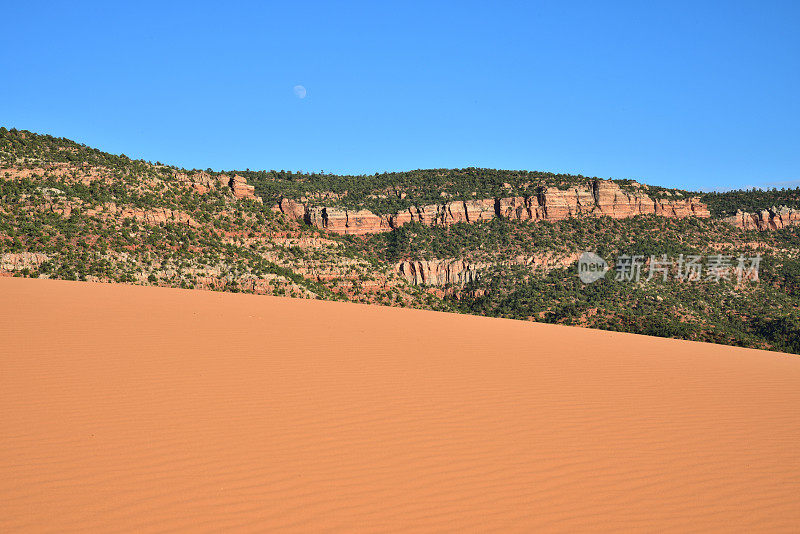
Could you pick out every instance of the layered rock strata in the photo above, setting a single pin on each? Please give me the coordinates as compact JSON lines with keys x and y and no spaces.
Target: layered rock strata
{"x":346,"y":222}
{"x":603,"y":198}
{"x":236,"y":185}
{"x":769,"y":219}
{"x":439,"y":272}
{"x":458,"y":272}
{"x":240,"y":188}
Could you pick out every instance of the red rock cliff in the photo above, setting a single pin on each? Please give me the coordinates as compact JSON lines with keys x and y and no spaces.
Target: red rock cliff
{"x":347,"y":222}
{"x":771,"y":219}
{"x":603,"y":198}
{"x":201,"y":182}
{"x":241,"y":189}
{"x":438,"y":272}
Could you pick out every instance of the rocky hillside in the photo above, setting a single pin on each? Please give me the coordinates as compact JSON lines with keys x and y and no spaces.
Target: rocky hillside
{"x":501,"y":243}
{"x":68,"y":211}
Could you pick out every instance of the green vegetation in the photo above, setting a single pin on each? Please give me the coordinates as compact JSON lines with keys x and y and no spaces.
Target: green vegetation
{"x":752,"y":315}
{"x":724,"y":204}
{"x":520,"y":285}
{"x":73,"y":212}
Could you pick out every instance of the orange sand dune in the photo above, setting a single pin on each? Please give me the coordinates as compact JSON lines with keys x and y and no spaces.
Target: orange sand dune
{"x":145,"y":409}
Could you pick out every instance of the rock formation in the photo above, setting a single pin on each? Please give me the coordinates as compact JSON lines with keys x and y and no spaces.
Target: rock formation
{"x":15,"y":261}
{"x":769,"y":219}
{"x":241,"y":189}
{"x":604,"y":198}
{"x":458,"y":272}
{"x":479,"y":210}
{"x":202,"y":182}
{"x":439,"y":272}
{"x":346,"y":222}
{"x":111,"y":210}
{"x":292,"y":208}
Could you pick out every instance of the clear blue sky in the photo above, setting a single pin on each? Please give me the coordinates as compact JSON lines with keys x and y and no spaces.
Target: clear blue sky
{"x":686,"y":94}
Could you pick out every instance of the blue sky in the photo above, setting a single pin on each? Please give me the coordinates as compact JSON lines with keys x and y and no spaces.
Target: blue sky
{"x":686,"y":94}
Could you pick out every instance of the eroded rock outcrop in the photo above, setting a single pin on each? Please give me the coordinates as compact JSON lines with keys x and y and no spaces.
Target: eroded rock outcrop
{"x":15,"y":261}
{"x":480,"y":210}
{"x":201,"y":182}
{"x":346,"y":222}
{"x":291,"y":208}
{"x":458,"y":273}
{"x":602,"y":198}
{"x":769,"y":219}
{"x":111,"y":210}
{"x":241,"y":190}
{"x":439,"y":272}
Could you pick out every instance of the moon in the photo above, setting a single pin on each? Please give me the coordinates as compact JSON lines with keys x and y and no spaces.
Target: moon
{"x":299,"y":91}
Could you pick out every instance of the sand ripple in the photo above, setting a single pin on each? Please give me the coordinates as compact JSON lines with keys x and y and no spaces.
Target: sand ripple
{"x":129,"y":408}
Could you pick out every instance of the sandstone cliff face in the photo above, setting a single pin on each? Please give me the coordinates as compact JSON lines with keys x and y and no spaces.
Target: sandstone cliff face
{"x":202,"y":182}
{"x":111,"y":210}
{"x":346,"y":222}
{"x":770,"y":219}
{"x":458,"y":272}
{"x":293,"y":209}
{"x":439,"y":272}
{"x":15,"y":261}
{"x":240,"y":188}
{"x":480,"y":210}
{"x":604,"y":198}
{"x":152,"y":216}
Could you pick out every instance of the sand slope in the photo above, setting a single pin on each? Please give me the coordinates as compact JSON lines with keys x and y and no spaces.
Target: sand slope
{"x":131,"y":408}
